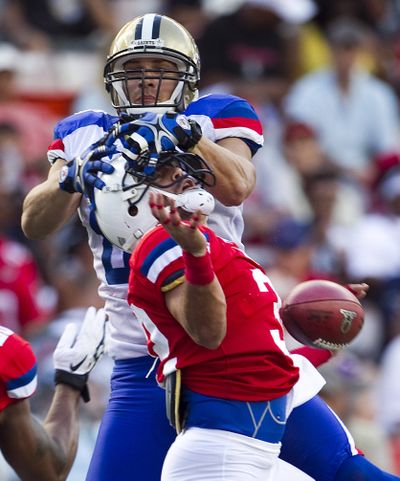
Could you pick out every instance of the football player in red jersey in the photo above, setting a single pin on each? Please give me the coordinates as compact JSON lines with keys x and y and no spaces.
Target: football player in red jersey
{"x":223,"y":343}
{"x":46,"y":451}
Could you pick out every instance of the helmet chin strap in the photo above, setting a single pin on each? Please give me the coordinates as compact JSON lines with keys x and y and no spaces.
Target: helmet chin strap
{"x":158,"y":109}
{"x":192,"y":200}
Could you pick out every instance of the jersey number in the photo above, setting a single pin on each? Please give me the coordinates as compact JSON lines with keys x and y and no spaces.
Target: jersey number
{"x":116,"y":264}
{"x":263,"y":282}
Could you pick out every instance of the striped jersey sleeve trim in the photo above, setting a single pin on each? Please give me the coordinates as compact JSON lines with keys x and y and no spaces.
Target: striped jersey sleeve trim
{"x":161,"y":256}
{"x":57,"y":144}
{"x":173,"y":281}
{"x":24,"y":386}
{"x":163,"y":261}
{"x":152,"y":256}
{"x":252,"y":124}
{"x":240,"y":132}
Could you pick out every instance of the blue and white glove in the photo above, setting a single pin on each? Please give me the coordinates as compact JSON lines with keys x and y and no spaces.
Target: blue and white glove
{"x":80,"y":174}
{"x":173,"y":130}
{"x":152,"y":134}
{"x":77,"y":353}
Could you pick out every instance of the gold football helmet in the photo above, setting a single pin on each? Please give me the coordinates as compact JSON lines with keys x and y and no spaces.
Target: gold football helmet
{"x":156,"y":37}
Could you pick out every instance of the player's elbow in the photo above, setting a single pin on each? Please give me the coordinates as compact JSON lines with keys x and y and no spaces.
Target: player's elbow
{"x":31,"y":230}
{"x":211,"y":334}
{"x":213,"y":344}
{"x":29,"y":220}
{"x":237,"y":192}
{"x":27,"y":229}
{"x":210,"y":341}
{"x":233,"y":198}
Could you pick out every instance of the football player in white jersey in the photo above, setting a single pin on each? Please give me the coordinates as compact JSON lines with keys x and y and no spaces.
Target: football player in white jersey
{"x":153,"y":67}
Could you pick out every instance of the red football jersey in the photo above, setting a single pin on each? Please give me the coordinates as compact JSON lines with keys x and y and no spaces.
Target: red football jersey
{"x":252,"y":363}
{"x":17,"y":368}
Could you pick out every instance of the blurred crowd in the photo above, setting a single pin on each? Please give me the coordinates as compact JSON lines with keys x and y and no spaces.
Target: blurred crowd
{"x":324,"y":77}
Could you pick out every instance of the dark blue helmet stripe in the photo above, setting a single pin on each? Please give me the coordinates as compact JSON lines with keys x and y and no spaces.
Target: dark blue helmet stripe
{"x":156,"y":27}
{"x":138,"y":30}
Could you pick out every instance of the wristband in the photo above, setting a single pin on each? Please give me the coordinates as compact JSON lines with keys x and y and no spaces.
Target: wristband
{"x":76,"y":381}
{"x":198,"y":270}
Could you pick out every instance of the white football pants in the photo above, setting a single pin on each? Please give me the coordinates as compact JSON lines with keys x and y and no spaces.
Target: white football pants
{"x":200,"y":454}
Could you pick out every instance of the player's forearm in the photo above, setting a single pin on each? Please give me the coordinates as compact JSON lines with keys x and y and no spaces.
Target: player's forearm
{"x":50,"y":455}
{"x":26,"y":446}
{"x":46,"y":207}
{"x":42,"y":452}
{"x":62,"y":427}
{"x":204,"y":313}
{"x":230,"y":160}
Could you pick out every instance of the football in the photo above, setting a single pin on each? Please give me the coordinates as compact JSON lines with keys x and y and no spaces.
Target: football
{"x":322,"y":314}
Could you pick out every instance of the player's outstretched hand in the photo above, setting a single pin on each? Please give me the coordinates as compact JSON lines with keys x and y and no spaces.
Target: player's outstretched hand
{"x":77,"y":353}
{"x":186,"y":234}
